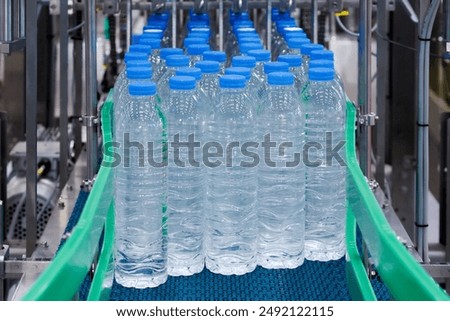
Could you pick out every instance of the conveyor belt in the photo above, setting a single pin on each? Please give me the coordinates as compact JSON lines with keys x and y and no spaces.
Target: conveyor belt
{"x":312,"y":281}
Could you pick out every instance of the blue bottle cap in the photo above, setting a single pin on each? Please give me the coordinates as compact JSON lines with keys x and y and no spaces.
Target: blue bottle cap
{"x":281,"y":78}
{"x":292,"y":60}
{"x":153,"y":42}
{"x":243,"y":71}
{"x":232,"y":81}
{"x":156,"y":32}
{"x":321,"y":74}
{"x":194,"y":40}
{"x":189,"y":71}
{"x":249,"y":40}
{"x":321,"y":63}
{"x":157,"y":24}
{"x":135,"y":38}
{"x":197,"y":49}
{"x":292,"y":29}
{"x":306,"y":49}
{"x":197,"y":24}
{"x":177,"y":61}
{"x":285,"y":23}
{"x":213,"y":55}
{"x":272,"y":66}
{"x":158,"y":16}
{"x":139,"y":73}
{"x":246,"y":30}
{"x":322,"y":54}
{"x":292,"y":35}
{"x":135,"y":56}
{"x":193,"y":34}
{"x":201,"y":30}
{"x":142,"y":88}
{"x":247,"y":36}
{"x":140,"y":48}
{"x":208,"y":66}
{"x":297,"y":43}
{"x":246,"y":47}
{"x":243,"y":61}
{"x":182,"y":82}
{"x":241,"y":24}
{"x":139,"y":63}
{"x":260,"y":55}
{"x":170,"y":51}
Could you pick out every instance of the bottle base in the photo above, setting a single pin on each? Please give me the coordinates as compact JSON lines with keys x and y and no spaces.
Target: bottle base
{"x":139,"y":281}
{"x":230,"y":269}
{"x":185,"y":270}
{"x":280,"y":262}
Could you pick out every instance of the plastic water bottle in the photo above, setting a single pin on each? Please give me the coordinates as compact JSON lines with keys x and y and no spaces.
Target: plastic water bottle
{"x":195,"y":52}
{"x":326,"y":55}
{"x":281,"y":180}
{"x":155,"y":53}
{"x":306,"y":50}
{"x":251,"y":80}
{"x":231,"y":237}
{"x":209,"y":82}
{"x":295,"y":45}
{"x":325,"y":174}
{"x":186,"y":192}
{"x":173,"y":62}
{"x":219,"y":56}
{"x":140,"y":191}
{"x":197,"y":74}
{"x":261,"y":57}
{"x":122,"y":80}
{"x":269,"y":67}
{"x":160,"y":68}
{"x":297,"y":69}
{"x":133,"y":74}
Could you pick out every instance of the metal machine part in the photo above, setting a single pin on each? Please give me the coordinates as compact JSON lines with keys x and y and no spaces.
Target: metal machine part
{"x":15,"y":215}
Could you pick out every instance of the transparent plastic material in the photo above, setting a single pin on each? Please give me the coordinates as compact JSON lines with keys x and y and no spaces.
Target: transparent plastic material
{"x":231,"y":237}
{"x":325,"y":167}
{"x":186,"y":188}
{"x":281,"y":179}
{"x":139,"y":194}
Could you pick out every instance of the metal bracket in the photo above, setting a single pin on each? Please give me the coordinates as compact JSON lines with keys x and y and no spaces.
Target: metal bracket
{"x":368,"y":119}
{"x":11,"y":46}
{"x":87,"y":184}
{"x":335,"y":5}
{"x":438,"y":270}
{"x":373,"y":184}
{"x":54,"y":7}
{"x":88,"y":121}
{"x":4,"y":254}
{"x":110,"y":7}
{"x":13,"y":267}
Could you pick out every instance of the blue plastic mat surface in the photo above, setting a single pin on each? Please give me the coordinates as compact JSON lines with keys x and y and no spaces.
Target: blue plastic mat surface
{"x":312,"y":281}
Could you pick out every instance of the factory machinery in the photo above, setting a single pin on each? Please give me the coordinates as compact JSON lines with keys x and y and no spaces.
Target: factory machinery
{"x":59,"y":60}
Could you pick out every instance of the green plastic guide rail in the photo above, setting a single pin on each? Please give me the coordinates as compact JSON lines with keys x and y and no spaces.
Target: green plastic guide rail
{"x":400,"y":272}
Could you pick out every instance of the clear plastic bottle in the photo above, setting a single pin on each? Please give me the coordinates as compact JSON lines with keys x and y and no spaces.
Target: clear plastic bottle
{"x":326,"y":55}
{"x":296,"y":67}
{"x":281,"y":181}
{"x":231,"y":237}
{"x":155,"y":58}
{"x":186,"y":186}
{"x":306,"y":50}
{"x":160,"y":67}
{"x":325,"y":174}
{"x":252,"y":82}
{"x":173,"y":62}
{"x":140,"y":192}
{"x":261,"y":57}
{"x":219,"y":56}
{"x":209,"y":83}
{"x":269,"y":67}
{"x":195,"y":52}
{"x":295,"y":45}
